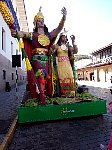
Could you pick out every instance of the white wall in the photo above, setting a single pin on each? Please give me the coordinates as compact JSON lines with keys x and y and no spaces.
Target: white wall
{"x":7,"y":53}
{"x":82,"y":63}
{"x":102,"y":75}
{"x":9,"y":38}
{"x":6,"y":57}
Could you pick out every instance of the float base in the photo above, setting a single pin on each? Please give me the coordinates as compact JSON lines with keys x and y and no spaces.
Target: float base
{"x":62,"y":111}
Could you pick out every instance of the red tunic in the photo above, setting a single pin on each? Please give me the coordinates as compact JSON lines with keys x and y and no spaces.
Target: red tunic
{"x":31,"y":47}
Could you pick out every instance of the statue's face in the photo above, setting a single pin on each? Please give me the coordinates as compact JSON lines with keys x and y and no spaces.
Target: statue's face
{"x":40,"y":23}
{"x":63,"y":38}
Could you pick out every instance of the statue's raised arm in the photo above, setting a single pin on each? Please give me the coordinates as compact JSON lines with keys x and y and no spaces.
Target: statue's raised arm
{"x":56,"y":31}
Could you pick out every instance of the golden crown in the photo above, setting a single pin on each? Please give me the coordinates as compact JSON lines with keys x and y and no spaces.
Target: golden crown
{"x":39,"y":15}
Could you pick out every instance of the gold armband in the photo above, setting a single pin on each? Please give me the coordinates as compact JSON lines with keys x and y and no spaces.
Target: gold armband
{"x":62,"y":22}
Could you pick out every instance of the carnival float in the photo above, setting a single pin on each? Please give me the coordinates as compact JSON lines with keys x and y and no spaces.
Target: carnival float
{"x":52,"y":92}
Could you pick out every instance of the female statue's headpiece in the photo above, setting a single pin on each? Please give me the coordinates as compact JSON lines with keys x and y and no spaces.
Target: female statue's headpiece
{"x":39,"y":15}
{"x":64,"y":33}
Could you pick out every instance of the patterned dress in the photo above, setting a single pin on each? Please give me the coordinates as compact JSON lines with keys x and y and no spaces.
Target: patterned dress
{"x":65,"y":73}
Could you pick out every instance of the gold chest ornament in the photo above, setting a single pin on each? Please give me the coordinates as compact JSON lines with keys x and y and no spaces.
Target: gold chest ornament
{"x":63,"y":47}
{"x":43,"y":40}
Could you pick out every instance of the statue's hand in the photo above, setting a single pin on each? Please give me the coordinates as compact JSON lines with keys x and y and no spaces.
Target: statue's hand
{"x":64,"y":11}
{"x":21,"y":34}
{"x":13,"y":32}
{"x":52,"y":49}
{"x":72,"y":38}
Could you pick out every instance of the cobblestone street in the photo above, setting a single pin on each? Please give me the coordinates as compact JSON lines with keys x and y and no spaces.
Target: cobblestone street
{"x":76,"y":134}
{"x":9,"y":102}
{"x":85,"y":133}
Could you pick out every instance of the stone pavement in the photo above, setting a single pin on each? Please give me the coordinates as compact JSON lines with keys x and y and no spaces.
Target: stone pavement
{"x":73,"y":134}
{"x":95,"y":84}
{"x":9,"y":102}
{"x":100,"y":90}
{"x":86,"y":133}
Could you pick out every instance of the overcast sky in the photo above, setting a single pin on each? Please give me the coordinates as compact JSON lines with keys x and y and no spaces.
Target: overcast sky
{"x":89,"y":20}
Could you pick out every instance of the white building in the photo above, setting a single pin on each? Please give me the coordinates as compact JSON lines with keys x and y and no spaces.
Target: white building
{"x":9,"y":47}
{"x":100,"y":69}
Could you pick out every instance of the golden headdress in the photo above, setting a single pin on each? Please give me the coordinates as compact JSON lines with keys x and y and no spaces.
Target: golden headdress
{"x":39,"y":15}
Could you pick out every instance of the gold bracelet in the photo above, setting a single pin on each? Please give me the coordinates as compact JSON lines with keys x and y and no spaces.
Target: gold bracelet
{"x":62,"y":21}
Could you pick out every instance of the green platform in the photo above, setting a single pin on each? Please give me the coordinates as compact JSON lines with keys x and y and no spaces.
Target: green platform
{"x":62,"y":111}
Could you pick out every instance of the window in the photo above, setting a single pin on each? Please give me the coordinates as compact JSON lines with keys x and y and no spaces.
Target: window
{"x":12,"y":76}
{"x":20,"y":77}
{"x":105,"y":54}
{"x":16,"y":52}
{"x":17,"y":76}
{"x":101,"y":55}
{"x":16,"y":10}
{"x":109,"y":51}
{"x":3,"y":40}
{"x":4,"y":74}
{"x":11,"y":47}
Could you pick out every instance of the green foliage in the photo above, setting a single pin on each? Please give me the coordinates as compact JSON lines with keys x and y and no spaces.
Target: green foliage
{"x":31,"y":102}
{"x":86,"y":96}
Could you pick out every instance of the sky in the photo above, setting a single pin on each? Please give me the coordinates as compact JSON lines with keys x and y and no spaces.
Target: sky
{"x":89,"y":20}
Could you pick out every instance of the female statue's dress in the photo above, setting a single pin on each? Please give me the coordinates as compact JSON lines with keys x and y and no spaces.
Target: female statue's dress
{"x":65,"y":72}
{"x":64,"y":54}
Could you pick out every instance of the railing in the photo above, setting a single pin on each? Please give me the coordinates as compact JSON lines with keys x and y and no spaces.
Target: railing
{"x":104,"y":60}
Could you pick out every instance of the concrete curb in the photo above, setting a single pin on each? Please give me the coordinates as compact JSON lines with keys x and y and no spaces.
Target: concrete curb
{"x":8,"y":137}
